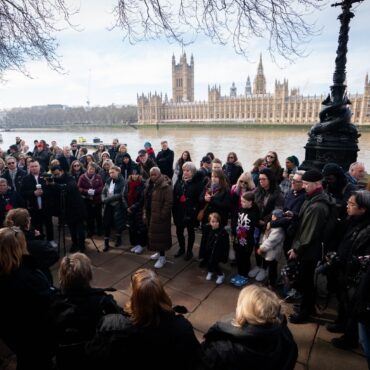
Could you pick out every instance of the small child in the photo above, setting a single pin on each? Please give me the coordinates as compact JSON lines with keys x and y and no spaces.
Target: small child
{"x":272,"y":246}
{"x":216,"y":248}
{"x":243,"y":225}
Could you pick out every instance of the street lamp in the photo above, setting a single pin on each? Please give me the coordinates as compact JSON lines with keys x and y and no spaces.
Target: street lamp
{"x":335,"y":138}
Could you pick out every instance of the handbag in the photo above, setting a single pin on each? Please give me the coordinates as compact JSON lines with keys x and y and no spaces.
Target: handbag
{"x":200,"y":214}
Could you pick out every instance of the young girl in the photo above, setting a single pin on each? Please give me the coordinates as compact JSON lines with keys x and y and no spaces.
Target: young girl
{"x":243,"y":225}
{"x":217,"y":248}
{"x":272,"y":246}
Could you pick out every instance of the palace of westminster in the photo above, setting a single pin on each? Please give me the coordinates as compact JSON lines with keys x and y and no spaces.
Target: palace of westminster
{"x":255,"y":106}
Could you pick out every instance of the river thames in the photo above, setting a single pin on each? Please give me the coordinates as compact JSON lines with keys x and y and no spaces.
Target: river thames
{"x":248,"y":143}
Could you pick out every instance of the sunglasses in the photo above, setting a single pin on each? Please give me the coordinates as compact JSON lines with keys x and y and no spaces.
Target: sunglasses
{"x":76,"y":165}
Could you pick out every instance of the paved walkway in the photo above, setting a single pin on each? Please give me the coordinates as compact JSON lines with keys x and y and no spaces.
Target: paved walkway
{"x":206,"y":302}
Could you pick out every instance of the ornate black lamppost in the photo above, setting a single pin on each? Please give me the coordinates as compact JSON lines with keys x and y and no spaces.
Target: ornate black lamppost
{"x":335,"y":138}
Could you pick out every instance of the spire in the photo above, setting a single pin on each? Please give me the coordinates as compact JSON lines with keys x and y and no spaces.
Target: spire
{"x":173,"y":59}
{"x":248,"y":87}
{"x":367,"y":79}
{"x":260,"y":66}
{"x":192,"y":60}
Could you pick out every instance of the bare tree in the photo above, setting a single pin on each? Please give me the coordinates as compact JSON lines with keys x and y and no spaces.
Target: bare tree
{"x":282,"y":22}
{"x":27,"y":29}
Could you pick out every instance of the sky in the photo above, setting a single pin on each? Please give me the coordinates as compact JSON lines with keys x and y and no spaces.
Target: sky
{"x":100,"y":67}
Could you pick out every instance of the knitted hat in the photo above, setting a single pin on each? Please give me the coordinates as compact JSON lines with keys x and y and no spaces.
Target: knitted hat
{"x":293,"y":159}
{"x":312,"y":176}
{"x":278,"y":213}
{"x":333,"y":169}
{"x":147,"y":144}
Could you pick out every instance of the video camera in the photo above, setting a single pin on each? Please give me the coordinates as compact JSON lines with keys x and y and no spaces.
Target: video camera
{"x":49,"y":178}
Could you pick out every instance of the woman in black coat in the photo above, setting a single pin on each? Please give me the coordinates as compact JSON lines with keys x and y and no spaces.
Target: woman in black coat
{"x":114,"y":210}
{"x":150,"y":334}
{"x":133,"y":199}
{"x":216,"y":198}
{"x":76,"y":310}
{"x":256,"y":339}
{"x":185,"y":205}
{"x":26,"y":295}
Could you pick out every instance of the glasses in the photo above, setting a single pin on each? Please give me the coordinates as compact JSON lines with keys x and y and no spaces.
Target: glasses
{"x":11,"y":163}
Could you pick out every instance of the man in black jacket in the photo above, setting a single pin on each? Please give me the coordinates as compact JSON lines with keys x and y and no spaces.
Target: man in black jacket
{"x":165,"y":160}
{"x":13,"y":175}
{"x":69,"y":206}
{"x":39,"y":199}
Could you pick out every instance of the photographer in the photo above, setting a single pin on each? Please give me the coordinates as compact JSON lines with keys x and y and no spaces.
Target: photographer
{"x":70,"y":207}
{"x":354,"y":243}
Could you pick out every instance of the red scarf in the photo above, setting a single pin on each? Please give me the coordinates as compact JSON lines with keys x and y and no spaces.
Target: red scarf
{"x":131,"y":195}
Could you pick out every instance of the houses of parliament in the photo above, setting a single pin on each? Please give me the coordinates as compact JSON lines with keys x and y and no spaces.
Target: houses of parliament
{"x":256,"y":105}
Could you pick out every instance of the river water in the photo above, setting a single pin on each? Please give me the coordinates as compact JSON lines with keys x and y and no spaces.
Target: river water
{"x":248,"y":143}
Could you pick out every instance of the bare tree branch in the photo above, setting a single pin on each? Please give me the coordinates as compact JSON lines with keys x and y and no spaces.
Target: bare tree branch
{"x":27,"y":32}
{"x":282,"y":22}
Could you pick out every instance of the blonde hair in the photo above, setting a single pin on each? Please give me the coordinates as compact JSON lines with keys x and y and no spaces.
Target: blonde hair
{"x":148,"y":299}
{"x":257,"y":305}
{"x":19,"y":217}
{"x":12,"y":248}
{"x":75,"y":272}
{"x":247,"y":178}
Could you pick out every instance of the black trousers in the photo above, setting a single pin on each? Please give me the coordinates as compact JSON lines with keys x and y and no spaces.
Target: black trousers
{"x":94,"y":216}
{"x":108,"y":219}
{"x":306,"y":286}
{"x":181,"y":238}
{"x":243,"y":258}
{"x":137,"y":237}
{"x":40,"y":219}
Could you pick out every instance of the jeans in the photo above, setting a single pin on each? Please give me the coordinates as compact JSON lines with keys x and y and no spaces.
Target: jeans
{"x":364,"y":338}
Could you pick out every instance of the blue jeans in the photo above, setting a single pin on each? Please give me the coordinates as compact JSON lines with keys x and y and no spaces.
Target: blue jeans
{"x":364,"y":338}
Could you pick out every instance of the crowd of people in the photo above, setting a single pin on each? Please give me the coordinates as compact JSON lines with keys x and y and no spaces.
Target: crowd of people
{"x":273,"y":213}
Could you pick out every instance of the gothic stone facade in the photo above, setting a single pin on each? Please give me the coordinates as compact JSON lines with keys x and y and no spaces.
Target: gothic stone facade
{"x":257,"y":106}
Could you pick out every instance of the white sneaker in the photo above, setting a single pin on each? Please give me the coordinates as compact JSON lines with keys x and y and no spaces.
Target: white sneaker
{"x":154,"y":256}
{"x":139,"y":249}
{"x":262,"y":275}
{"x":160,"y":262}
{"x":209,"y":276}
{"x":133,"y":249}
{"x":220,"y":279}
{"x":253,"y":273}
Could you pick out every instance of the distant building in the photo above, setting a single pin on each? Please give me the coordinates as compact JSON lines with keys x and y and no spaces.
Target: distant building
{"x":281,"y":107}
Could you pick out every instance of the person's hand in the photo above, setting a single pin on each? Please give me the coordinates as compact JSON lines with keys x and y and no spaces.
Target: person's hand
{"x":260,"y":252}
{"x":37,"y":233}
{"x":292,"y":254}
{"x":38,"y":192}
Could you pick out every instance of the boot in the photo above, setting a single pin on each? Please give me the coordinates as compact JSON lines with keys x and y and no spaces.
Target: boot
{"x":118,"y":241}
{"x":180,"y":252}
{"x":106,"y":245}
{"x":189,"y":254}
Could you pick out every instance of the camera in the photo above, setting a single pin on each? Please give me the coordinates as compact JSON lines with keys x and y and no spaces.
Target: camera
{"x":49,"y":178}
{"x":330,"y":260}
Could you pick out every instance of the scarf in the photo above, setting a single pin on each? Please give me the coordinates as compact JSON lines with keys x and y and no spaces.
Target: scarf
{"x":131,"y":194}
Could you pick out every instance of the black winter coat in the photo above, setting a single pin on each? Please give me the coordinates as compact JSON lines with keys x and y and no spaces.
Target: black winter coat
{"x":116,"y":202}
{"x":227,"y":347}
{"x":220,"y":203}
{"x":25,"y":324}
{"x":76,"y":314}
{"x":232,"y":171}
{"x":186,"y":200}
{"x":217,"y":245}
{"x":118,"y":339}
